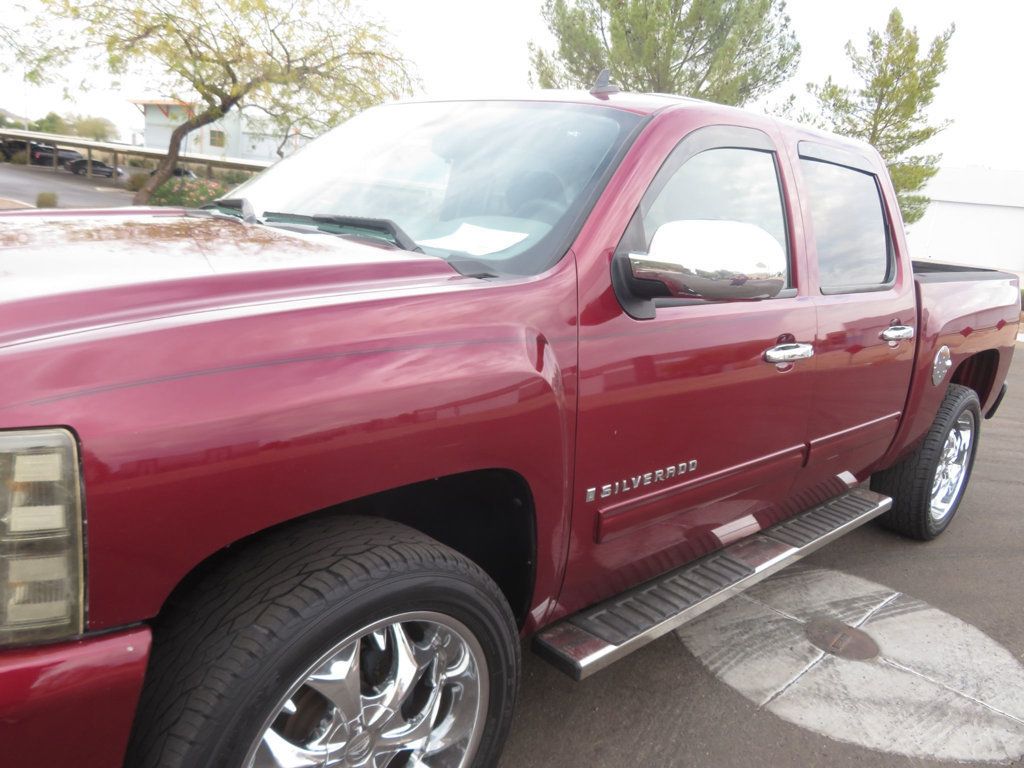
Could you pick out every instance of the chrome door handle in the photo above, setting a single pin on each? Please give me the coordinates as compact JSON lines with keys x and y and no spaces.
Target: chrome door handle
{"x":787,"y":353}
{"x":897,"y":333}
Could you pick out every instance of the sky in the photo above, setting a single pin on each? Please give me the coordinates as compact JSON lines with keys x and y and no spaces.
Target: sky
{"x":479,"y":47}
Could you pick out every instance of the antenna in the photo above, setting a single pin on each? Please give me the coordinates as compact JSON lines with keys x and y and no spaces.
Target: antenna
{"x":603,"y":85}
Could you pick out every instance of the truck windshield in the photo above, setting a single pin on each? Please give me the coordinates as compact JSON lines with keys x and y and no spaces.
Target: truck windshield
{"x":502,"y":184}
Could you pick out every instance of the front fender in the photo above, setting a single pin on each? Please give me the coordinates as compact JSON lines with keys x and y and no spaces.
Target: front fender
{"x":197,"y":434}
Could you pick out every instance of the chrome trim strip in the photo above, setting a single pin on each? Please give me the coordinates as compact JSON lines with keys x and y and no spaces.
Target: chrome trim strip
{"x":580,"y":654}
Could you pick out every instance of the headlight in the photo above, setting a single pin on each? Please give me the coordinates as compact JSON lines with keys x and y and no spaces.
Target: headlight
{"x":41,"y":581}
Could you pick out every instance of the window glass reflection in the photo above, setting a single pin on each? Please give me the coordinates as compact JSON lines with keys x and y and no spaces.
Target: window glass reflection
{"x":727,"y":184}
{"x":849,"y":227}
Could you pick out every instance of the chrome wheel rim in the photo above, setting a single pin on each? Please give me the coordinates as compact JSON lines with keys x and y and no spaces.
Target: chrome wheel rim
{"x":954,"y":464}
{"x":409,"y":691}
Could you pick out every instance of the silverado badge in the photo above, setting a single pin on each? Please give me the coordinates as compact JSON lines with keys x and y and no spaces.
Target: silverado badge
{"x":633,"y":482}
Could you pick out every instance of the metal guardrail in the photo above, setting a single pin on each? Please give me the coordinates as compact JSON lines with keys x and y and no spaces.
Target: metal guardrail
{"x":130,"y":150}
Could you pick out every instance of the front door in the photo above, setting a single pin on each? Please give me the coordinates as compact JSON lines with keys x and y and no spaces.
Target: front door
{"x":687,"y":438}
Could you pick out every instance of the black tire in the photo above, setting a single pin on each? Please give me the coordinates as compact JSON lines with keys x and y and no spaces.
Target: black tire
{"x":226,"y":650}
{"x":910,"y":482}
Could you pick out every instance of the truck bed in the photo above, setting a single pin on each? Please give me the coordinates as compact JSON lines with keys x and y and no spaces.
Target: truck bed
{"x":939,"y":272}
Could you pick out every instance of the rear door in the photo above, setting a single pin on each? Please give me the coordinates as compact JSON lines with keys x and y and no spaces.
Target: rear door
{"x":866,"y":310}
{"x":687,"y":438}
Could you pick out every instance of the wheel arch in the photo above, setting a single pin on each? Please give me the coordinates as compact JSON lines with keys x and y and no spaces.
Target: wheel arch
{"x":486,"y":515}
{"x":978,"y":372}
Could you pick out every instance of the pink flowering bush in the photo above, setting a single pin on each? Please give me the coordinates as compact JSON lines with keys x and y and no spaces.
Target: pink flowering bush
{"x":188,"y":193}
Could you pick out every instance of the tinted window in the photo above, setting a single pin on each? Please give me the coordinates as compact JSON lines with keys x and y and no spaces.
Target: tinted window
{"x":729,"y":184}
{"x":849,"y":226}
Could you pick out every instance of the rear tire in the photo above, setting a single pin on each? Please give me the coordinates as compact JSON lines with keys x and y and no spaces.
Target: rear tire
{"x":238,"y":662}
{"x":929,"y":484}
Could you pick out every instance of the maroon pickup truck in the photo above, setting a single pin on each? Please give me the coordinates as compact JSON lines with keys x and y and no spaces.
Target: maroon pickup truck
{"x":286,"y":481}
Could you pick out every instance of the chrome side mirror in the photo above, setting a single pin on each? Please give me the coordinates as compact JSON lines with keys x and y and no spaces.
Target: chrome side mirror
{"x":714,"y":260}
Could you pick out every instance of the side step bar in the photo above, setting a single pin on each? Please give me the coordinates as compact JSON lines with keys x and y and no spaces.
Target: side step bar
{"x":590,"y":640}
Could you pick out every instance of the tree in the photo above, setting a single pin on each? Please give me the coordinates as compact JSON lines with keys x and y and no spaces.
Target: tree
{"x":888,"y":109}
{"x":8,"y":43}
{"x":52,"y":123}
{"x":317,"y":59}
{"x":95,"y":128}
{"x":729,"y":51}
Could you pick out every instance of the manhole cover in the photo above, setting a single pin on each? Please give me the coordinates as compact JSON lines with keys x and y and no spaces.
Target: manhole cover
{"x":842,"y":640}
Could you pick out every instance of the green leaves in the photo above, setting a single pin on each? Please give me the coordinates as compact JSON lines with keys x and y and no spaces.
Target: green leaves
{"x":729,"y":51}
{"x":305,"y":64}
{"x":96,"y":128}
{"x":188,"y":193}
{"x":52,"y":123}
{"x":888,"y":109}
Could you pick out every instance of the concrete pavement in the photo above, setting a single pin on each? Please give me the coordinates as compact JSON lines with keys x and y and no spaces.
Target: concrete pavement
{"x":22,"y":183}
{"x":662,"y":707}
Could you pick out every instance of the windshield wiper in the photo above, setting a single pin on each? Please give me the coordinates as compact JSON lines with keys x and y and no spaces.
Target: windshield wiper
{"x":373,"y":228}
{"x":236,"y":206}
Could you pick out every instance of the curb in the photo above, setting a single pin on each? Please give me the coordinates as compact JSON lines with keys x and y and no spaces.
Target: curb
{"x":10,"y":204}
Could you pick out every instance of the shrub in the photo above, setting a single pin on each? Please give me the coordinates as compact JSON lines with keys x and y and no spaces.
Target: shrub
{"x":46,"y":200}
{"x":232,"y":176}
{"x":188,"y":193}
{"x":136,"y":181}
{"x":138,"y":162}
{"x":19,"y":157}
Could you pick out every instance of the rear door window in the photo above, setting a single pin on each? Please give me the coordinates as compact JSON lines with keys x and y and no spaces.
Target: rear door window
{"x":849,"y":226}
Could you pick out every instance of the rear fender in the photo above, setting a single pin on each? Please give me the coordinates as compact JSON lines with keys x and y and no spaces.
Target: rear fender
{"x":971,"y":318}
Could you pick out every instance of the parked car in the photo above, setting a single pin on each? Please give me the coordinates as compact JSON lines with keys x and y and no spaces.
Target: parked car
{"x":80,"y":167}
{"x":288,"y":479}
{"x":11,"y":147}
{"x":42,"y":154}
{"x":181,"y":173}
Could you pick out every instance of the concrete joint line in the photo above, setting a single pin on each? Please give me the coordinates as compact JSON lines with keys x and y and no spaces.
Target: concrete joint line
{"x":767,"y":607}
{"x":876,"y":609}
{"x":821,"y":654}
{"x":955,"y":691}
{"x":791,"y":683}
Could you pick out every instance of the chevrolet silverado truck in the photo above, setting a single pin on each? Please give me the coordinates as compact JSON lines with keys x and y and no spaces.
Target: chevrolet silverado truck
{"x":287,"y":481}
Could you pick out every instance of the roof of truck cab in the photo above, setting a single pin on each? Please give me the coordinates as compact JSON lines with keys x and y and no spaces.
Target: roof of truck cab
{"x":640,"y":103}
{"x":651,"y":103}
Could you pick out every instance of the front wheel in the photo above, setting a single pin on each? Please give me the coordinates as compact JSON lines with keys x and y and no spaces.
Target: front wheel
{"x":357,"y":643}
{"x":928,"y":486}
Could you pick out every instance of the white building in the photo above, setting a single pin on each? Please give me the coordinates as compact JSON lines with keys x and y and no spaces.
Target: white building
{"x":234,"y":135}
{"x":976,"y":217}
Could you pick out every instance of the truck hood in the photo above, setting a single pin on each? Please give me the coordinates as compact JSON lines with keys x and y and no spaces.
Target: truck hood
{"x":64,"y":272}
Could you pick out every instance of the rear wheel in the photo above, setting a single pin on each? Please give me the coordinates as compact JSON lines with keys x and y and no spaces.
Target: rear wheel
{"x":353,"y":643}
{"x":928,"y":486}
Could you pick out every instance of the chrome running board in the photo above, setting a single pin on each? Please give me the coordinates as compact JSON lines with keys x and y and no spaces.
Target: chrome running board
{"x":590,"y":640}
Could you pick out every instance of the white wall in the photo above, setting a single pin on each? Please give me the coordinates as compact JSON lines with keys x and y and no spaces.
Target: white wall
{"x":976,"y":217}
{"x":239,"y":140}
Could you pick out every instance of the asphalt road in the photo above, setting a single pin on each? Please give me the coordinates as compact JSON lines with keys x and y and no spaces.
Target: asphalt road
{"x":23,"y":183}
{"x":662,"y":707}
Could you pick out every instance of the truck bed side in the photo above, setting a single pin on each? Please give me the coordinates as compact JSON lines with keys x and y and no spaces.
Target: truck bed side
{"x":974,"y":312}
